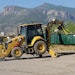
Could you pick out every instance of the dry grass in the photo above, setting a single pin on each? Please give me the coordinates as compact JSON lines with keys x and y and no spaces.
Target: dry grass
{"x":63,"y":47}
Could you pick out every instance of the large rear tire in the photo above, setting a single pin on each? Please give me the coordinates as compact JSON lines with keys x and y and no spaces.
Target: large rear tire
{"x":40,"y":47}
{"x":16,"y":52}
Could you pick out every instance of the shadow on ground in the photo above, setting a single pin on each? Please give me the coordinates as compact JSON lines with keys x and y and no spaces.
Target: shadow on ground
{"x":28,"y":58}
{"x":65,"y":53}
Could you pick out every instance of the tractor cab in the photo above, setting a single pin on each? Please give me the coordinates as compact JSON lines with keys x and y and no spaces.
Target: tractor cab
{"x":30,"y":31}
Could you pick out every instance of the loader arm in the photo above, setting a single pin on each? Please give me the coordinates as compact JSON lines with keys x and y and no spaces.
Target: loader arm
{"x":56,"y":22}
{"x":59,"y":24}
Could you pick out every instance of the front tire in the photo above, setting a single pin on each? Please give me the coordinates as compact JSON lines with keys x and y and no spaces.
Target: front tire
{"x":40,"y":47}
{"x":16,"y":52}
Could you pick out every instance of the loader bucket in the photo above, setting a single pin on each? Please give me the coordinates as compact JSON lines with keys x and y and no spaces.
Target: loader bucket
{"x":2,"y":56}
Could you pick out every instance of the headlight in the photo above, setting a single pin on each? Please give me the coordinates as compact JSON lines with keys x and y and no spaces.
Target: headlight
{"x":19,"y":39}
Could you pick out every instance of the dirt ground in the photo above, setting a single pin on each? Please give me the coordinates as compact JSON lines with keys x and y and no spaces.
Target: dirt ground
{"x":32,"y":65}
{"x":62,"y":47}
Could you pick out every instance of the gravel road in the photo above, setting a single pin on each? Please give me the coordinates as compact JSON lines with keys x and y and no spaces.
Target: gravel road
{"x":32,"y":65}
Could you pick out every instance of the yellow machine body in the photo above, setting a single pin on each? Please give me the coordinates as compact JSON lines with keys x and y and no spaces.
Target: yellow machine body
{"x":31,"y":38}
{"x":36,"y":38}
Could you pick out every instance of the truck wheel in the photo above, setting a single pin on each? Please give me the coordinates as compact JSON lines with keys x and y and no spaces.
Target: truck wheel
{"x":40,"y":47}
{"x":16,"y":52}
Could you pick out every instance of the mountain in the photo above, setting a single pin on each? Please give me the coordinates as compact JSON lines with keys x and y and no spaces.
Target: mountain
{"x":12,"y":16}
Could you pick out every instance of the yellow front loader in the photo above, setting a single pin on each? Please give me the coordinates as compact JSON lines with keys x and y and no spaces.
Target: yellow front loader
{"x":11,"y":47}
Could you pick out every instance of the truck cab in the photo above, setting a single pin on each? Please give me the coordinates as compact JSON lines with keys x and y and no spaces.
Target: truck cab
{"x":30,"y":31}
{"x":34,"y":38}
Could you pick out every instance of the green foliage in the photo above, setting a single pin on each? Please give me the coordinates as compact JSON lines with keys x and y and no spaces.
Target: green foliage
{"x":70,"y":26}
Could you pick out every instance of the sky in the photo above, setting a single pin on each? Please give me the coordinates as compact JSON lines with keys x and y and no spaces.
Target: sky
{"x":35,"y":3}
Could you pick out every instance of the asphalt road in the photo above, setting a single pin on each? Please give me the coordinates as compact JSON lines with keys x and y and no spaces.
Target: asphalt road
{"x":32,"y":65}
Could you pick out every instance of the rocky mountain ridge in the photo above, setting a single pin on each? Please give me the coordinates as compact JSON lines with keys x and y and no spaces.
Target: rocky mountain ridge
{"x":11,"y":16}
